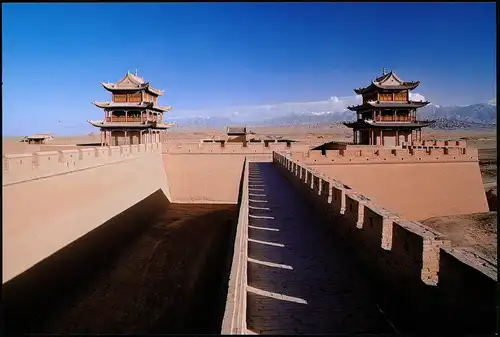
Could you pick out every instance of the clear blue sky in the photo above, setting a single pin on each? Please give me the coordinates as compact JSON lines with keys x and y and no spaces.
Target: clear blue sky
{"x":216,"y":55}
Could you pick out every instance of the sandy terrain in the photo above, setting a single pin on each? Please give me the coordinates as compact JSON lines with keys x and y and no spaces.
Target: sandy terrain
{"x":478,"y":231}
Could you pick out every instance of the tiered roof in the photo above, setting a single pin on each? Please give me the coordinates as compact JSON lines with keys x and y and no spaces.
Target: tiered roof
{"x":131,"y":125}
{"x":389,"y":81}
{"x":129,"y":105}
{"x":131,"y":82}
{"x":359,"y":124}
{"x":388,"y":104}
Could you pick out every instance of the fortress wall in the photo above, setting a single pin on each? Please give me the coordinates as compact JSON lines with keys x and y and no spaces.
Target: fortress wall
{"x":234,"y":319}
{"x":414,"y":184}
{"x":412,"y":261}
{"x":29,"y":166}
{"x":53,"y":198}
{"x":230,"y":148}
{"x":388,"y":156}
{"x":208,"y":172}
{"x":204,"y":178}
{"x":439,"y":143}
{"x":462,"y":278}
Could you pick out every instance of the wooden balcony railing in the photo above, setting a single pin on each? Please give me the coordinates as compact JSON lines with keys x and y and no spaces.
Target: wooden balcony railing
{"x":123,"y":119}
{"x":131,"y":119}
{"x":394,"y":119}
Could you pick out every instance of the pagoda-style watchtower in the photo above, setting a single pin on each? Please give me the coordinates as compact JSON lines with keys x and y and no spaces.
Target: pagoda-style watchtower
{"x":133,"y":116}
{"x":387,"y":116}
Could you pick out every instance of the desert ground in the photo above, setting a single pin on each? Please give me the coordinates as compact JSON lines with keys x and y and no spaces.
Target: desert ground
{"x":471,"y":230}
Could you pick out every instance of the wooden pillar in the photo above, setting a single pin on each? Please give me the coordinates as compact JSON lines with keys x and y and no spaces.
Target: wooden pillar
{"x":126,"y":119}
{"x":105,"y":116}
{"x":381,"y":137}
{"x":397,"y":138}
{"x":394,"y":115}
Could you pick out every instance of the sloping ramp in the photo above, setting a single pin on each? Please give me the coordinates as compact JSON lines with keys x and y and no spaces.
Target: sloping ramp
{"x":300,"y":280}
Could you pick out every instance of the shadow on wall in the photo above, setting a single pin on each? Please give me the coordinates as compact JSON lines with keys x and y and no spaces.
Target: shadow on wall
{"x":27,"y":297}
{"x":492,"y":200}
{"x":155,"y":268}
{"x":89,"y":144}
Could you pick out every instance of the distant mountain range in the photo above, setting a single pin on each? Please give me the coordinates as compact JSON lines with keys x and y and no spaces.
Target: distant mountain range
{"x":447,"y":117}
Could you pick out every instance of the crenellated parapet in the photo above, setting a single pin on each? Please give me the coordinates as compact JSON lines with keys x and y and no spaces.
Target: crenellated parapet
{"x":388,"y":156}
{"x":230,"y":148}
{"x":30,"y":166}
{"x":436,"y":143}
{"x":407,"y":252}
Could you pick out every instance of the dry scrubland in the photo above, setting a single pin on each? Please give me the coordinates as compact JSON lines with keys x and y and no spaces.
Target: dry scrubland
{"x":476,"y":230}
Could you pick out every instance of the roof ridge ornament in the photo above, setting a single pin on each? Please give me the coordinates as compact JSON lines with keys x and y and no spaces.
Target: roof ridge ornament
{"x":383,"y":71}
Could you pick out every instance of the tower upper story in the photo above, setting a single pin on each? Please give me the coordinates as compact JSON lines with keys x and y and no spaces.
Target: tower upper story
{"x":133,"y":88}
{"x":388,"y":87}
{"x":132,"y":92}
{"x":388,"y":92}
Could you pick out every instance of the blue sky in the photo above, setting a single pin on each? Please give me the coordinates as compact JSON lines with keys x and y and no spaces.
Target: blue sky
{"x":212,"y":58}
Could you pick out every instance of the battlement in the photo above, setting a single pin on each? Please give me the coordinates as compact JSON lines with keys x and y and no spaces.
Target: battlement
{"x":437,"y":143}
{"x":388,"y":156}
{"x":407,"y":252}
{"x":29,"y":166}
{"x":227,"y":148}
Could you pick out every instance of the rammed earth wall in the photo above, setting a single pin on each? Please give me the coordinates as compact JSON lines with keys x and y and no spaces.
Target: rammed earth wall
{"x":51,"y":199}
{"x":414,"y":266}
{"x":415,"y":182}
{"x":209,"y":172}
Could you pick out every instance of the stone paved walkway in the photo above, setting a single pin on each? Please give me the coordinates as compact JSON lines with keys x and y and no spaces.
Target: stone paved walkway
{"x":300,"y":281}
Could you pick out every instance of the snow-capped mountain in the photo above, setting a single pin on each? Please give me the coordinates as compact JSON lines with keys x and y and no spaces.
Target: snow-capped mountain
{"x":447,"y":116}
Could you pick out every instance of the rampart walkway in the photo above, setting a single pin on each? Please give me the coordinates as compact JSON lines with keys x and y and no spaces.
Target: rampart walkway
{"x":299,"y":280}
